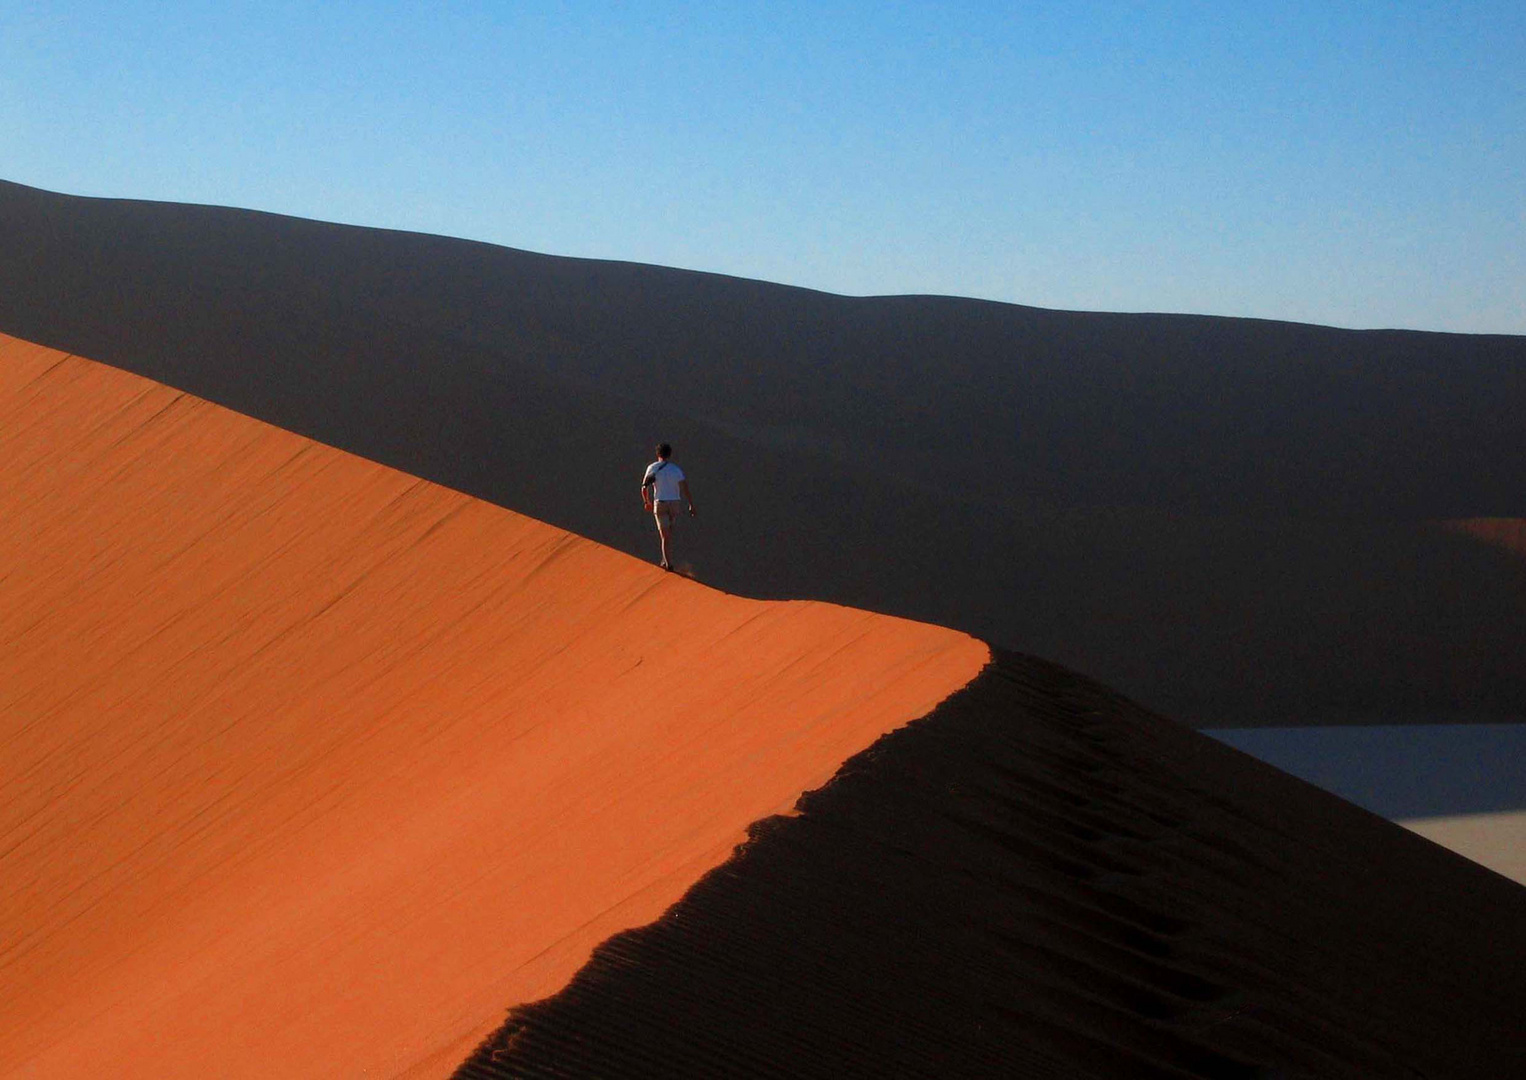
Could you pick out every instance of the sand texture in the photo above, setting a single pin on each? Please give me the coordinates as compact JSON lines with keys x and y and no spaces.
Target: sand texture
{"x":1041,"y":880}
{"x":1233,"y":521}
{"x":310,"y":768}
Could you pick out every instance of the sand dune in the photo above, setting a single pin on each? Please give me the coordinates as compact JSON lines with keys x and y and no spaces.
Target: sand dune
{"x":1460,"y":785}
{"x":1043,"y":880}
{"x":1233,"y":521}
{"x":310,"y":768}
{"x":1506,"y":533}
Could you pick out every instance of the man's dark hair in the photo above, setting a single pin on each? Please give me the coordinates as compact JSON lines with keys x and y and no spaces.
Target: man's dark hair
{"x":664,"y":451}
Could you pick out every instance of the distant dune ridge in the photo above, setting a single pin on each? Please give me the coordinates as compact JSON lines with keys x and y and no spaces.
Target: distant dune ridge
{"x":1233,"y":521}
{"x":309,"y":767}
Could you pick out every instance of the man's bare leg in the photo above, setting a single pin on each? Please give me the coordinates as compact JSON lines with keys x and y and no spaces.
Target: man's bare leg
{"x":664,"y":529}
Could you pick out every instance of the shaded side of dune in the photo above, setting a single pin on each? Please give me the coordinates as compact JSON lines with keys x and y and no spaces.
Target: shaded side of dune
{"x":1231,"y":520}
{"x":1043,"y":880}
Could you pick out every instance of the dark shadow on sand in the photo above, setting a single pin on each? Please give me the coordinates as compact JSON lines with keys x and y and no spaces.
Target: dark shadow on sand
{"x":1040,"y":880}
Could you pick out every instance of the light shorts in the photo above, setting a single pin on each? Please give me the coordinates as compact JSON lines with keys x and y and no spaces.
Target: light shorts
{"x":667,"y":511}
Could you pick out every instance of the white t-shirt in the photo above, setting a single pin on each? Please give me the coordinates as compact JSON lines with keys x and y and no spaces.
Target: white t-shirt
{"x":668,"y":477}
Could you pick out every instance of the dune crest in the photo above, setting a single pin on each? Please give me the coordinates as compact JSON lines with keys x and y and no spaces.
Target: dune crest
{"x":1232,"y":521}
{"x":312,"y":768}
{"x":1040,"y":879}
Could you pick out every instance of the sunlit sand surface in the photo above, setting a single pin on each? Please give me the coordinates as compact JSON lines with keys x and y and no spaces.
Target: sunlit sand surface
{"x":311,"y":768}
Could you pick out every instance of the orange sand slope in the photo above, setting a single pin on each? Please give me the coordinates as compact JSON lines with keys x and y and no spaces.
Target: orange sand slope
{"x":311,"y":768}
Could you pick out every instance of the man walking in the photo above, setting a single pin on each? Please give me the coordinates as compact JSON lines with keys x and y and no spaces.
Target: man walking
{"x":663,"y":490}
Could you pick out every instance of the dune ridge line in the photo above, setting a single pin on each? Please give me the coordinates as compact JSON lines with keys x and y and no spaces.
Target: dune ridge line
{"x":311,"y":767}
{"x":1041,"y":879}
{"x":1232,"y":521}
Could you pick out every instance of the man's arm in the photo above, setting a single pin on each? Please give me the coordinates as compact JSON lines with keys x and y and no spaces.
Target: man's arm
{"x":647,"y":483}
{"x":683,"y":489}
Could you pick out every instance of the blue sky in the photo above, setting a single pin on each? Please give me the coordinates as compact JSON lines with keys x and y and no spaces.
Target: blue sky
{"x":1358,"y":164}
